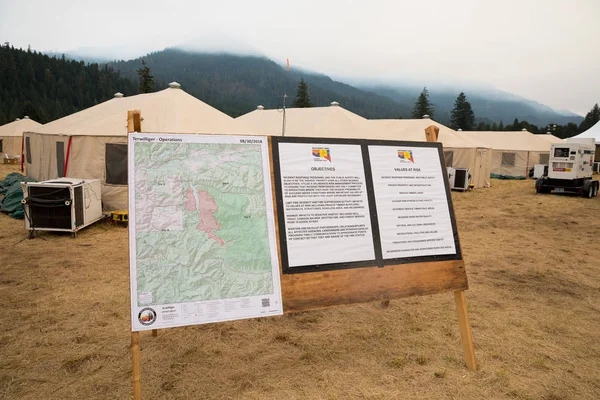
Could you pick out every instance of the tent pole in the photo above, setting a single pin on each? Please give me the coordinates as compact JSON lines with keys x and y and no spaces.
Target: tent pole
{"x":67,"y":157}
{"x":22,"y":152}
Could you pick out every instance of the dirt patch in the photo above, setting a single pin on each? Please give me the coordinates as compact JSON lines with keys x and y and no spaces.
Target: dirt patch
{"x":534,"y":303}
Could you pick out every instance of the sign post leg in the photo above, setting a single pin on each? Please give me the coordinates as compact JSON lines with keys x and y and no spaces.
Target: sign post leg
{"x":465,"y":329}
{"x":135,"y":358}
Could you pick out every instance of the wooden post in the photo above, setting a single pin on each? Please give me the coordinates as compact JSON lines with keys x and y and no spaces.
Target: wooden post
{"x":134,"y":124}
{"x":432,"y":133}
{"x":135,"y":360}
{"x":465,"y":329}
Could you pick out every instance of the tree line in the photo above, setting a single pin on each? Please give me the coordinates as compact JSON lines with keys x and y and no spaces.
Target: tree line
{"x":462,"y":117}
{"x":47,"y":88}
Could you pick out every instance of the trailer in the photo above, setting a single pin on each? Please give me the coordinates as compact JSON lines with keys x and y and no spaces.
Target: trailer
{"x":570,"y":169}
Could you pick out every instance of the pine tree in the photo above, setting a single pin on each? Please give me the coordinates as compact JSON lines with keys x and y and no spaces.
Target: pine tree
{"x":462,"y":115}
{"x":591,"y":119}
{"x":146,"y":78}
{"x":302,"y":98}
{"x":494,"y":127}
{"x":423,"y":106}
{"x":515,"y":125}
{"x":501,"y":126}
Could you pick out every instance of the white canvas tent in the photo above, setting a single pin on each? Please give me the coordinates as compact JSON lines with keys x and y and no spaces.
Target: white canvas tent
{"x":11,"y":136}
{"x":460,"y":151}
{"x":333,"y":121}
{"x":593,"y":132}
{"x":336,"y":122}
{"x":550,"y":138}
{"x":513,"y":152}
{"x":92,"y":143}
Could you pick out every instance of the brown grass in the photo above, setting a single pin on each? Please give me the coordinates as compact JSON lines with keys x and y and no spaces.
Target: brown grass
{"x":534,"y":303}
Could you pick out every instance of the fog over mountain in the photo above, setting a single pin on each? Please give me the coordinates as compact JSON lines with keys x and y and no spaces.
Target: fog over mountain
{"x":236,"y":84}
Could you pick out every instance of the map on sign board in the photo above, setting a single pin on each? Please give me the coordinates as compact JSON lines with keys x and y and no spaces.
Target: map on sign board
{"x":202,"y":234}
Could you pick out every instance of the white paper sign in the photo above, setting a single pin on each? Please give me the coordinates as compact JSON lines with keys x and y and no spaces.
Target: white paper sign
{"x":325,"y":204}
{"x":201,"y":230}
{"x":412,"y":208}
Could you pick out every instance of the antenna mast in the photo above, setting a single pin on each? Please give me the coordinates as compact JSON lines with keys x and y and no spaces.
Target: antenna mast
{"x":283,"y":127}
{"x":287,"y":67}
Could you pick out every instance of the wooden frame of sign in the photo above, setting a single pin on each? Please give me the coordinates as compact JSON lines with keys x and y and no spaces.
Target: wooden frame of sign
{"x":319,"y":288}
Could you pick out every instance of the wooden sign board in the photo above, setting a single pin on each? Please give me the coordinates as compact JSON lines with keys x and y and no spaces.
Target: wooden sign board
{"x":370,"y":275}
{"x":363,"y":256}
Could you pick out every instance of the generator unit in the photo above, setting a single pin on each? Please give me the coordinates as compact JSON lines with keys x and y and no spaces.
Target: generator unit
{"x":458,"y":178}
{"x":63,"y":204}
{"x":570,"y":169}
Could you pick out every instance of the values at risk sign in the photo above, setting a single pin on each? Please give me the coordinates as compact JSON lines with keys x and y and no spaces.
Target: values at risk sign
{"x":356,"y":203}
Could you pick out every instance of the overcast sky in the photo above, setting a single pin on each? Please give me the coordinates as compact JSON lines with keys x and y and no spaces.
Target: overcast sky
{"x":545,"y":50}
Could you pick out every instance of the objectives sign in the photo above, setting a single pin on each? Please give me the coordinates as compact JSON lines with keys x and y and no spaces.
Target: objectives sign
{"x":357,"y":203}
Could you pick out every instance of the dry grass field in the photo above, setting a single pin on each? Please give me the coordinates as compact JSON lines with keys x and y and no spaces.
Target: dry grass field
{"x":534,"y":302}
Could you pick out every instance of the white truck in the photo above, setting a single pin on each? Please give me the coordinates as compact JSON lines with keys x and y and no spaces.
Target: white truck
{"x":570,"y":169}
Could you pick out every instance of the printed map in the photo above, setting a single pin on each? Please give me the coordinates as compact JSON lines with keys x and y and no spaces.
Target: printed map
{"x":201,"y":223}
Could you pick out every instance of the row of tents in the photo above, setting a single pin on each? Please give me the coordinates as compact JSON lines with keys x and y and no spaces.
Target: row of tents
{"x":92,"y":143}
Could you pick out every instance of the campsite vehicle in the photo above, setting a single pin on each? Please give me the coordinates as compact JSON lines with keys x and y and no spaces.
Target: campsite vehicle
{"x":570,"y":169}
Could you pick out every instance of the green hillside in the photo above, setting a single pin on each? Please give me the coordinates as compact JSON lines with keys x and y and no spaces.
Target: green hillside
{"x":237,"y":84}
{"x":46,"y":88}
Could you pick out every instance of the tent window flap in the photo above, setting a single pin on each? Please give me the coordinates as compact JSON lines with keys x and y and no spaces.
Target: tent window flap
{"x":116,"y":164}
{"x":28,"y":150}
{"x":508,"y":159}
{"x":0,"y":145}
{"x":60,"y":159}
{"x":448,"y":158}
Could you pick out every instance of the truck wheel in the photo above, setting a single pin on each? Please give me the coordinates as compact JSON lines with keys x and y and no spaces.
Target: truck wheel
{"x":596,"y":189}
{"x":590,"y":192}
{"x":538,"y":186}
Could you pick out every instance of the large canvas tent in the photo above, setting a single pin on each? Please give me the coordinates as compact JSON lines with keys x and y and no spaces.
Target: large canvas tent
{"x":514,"y":153}
{"x":93,"y":143}
{"x":593,"y":132}
{"x":333,"y":121}
{"x":11,"y":136}
{"x":336,"y":122}
{"x":460,"y":151}
{"x":549,"y":138}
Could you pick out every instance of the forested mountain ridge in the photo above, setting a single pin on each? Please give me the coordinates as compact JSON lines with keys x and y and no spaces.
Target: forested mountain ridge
{"x":47,"y":88}
{"x":237,"y":84}
{"x":489,"y":105}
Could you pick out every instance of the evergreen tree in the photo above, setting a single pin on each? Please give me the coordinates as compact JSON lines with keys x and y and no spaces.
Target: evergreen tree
{"x":423,"y":106}
{"x":501,"y":126}
{"x":591,"y":119}
{"x":515,"y":125}
{"x":494,"y":127}
{"x":146,"y":78}
{"x":302,"y":99}
{"x":462,"y":115}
